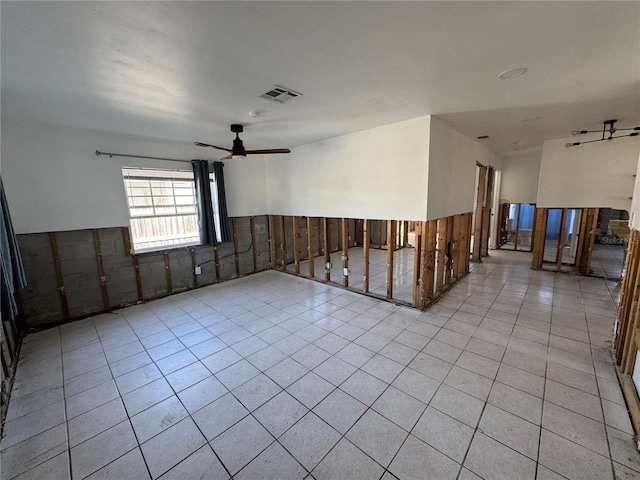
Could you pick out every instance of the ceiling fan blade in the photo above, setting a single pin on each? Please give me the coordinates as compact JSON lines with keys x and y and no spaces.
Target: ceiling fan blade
{"x":199,"y":144}
{"x":228,"y":157}
{"x":272,"y":150}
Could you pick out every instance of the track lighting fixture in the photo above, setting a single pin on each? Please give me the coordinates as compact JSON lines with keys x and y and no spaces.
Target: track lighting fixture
{"x":608,"y":126}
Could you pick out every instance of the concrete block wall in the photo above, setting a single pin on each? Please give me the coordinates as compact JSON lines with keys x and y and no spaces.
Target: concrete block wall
{"x":79,"y":290}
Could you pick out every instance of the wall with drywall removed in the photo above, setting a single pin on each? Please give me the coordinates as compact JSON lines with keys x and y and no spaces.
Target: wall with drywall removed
{"x":452,"y":170}
{"x":379,"y":173}
{"x":594,"y":175}
{"x":54,"y":181}
{"x":519,"y":179}
{"x":634,"y":213}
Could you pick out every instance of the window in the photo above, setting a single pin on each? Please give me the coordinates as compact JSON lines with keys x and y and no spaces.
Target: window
{"x":162,"y":208}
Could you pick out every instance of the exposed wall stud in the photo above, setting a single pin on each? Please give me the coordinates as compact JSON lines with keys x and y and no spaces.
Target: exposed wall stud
{"x":56,"y":260}
{"x":252,"y":226}
{"x":234,"y":235}
{"x":391,"y":240}
{"x":366,"y":243}
{"x":136,"y":267}
{"x":310,"y":247}
{"x":296,"y":244}
{"x":327,"y":249}
{"x":216,"y":259}
{"x":560,"y":248}
{"x":272,"y":242}
{"x":430,"y":243}
{"x":101,"y":272}
{"x":167,"y":268}
{"x":283,"y":244}
{"x":345,"y":252}
{"x":441,"y":251}
{"x":192,"y":252}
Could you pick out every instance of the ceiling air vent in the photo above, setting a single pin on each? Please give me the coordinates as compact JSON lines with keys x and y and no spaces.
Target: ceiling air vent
{"x":280,"y":95}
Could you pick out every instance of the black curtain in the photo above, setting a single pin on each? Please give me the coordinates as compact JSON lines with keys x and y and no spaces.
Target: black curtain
{"x":205,"y":207}
{"x":11,"y":268}
{"x":225,"y":231}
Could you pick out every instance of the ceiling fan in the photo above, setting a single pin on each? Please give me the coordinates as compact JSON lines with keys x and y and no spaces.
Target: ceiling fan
{"x":238,"y":150}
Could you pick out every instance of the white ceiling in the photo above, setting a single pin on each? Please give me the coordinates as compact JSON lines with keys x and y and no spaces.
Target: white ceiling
{"x":186,"y":70}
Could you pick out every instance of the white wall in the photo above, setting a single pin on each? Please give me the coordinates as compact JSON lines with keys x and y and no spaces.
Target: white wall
{"x":590,"y":176}
{"x":520,"y":174}
{"x":379,"y":173}
{"x":54,"y":181}
{"x":452,"y":170}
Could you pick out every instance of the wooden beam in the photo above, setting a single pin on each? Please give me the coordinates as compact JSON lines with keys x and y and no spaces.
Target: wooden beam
{"x":136,"y":267}
{"x":59,"y":277}
{"x":101,"y":273}
{"x":366,"y":241}
{"x":455,"y":245}
{"x":380,"y":234}
{"x":192,"y":251}
{"x":405,"y":233}
{"x":296,"y":244}
{"x":633,"y":403}
{"x":417,"y":266}
{"x":283,"y":244}
{"x":252,"y":225}
{"x":234,"y":235}
{"x":449,"y":248}
{"x":327,"y":248}
{"x":560,"y":248}
{"x":431,"y":242}
{"x":441,"y":250}
{"x":312,"y":255}
{"x":345,"y":252}
{"x":126,"y":239}
{"x":391,"y":240}
{"x":629,"y":290}
{"x":216,"y":259}
{"x":539,"y":234}
{"x":167,"y":269}
{"x":272,"y":242}
{"x":486,"y":214}
{"x":477,"y":230}
{"x":515,"y":243}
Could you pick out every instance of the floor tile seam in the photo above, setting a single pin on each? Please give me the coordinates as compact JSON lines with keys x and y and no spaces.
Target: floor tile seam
{"x":66,"y":416}
{"x":7,"y":420}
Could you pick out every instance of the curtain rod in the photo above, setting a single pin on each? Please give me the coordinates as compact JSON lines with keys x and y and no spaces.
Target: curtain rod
{"x":111,"y":154}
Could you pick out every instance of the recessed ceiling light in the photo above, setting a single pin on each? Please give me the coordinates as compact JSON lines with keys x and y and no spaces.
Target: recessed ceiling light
{"x":482,"y":137}
{"x":513,"y":73}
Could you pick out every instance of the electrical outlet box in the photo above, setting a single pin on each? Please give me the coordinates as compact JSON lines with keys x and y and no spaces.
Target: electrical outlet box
{"x":198,"y":269}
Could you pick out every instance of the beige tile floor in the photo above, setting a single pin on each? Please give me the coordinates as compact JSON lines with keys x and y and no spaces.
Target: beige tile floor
{"x":278,"y":377}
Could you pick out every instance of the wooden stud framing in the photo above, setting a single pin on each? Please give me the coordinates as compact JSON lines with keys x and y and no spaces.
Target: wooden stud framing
{"x":380,"y":234}
{"x":405,"y":234}
{"x":101,"y":272}
{"x":431,"y":243}
{"x":136,"y":267}
{"x":126,"y":239}
{"x":539,"y":233}
{"x":296,"y":244}
{"x":486,"y":214}
{"x":310,"y":247}
{"x":327,"y":248}
{"x":560,"y":248}
{"x":234,"y":235}
{"x":441,"y":249}
{"x":417,"y":256}
{"x":272,"y":242}
{"x":252,"y":226}
{"x":448,"y":251}
{"x":216,"y":259}
{"x":167,"y":268}
{"x":391,"y":240}
{"x":586,"y":240}
{"x":283,"y":244}
{"x":345,"y":252}
{"x":366,"y":241}
{"x":455,"y":245}
{"x":477,"y":229}
{"x":192,"y":251}
{"x":56,"y":260}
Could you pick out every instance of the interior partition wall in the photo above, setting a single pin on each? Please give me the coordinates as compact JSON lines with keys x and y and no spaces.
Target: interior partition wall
{"x":516,"y":222}
{"x":407,"y":262}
